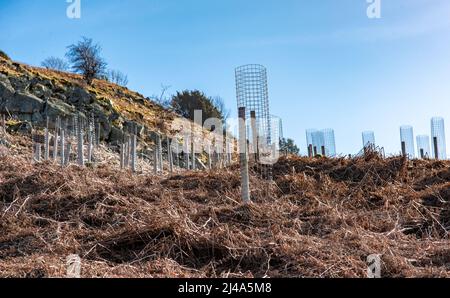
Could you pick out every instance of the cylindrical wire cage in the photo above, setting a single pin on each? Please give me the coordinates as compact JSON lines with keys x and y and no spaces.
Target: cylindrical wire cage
{"x":368,"y":138}
{"x":276,"y":129}
{"x":252,"y":93}
{"x":329,"y":142}
{"x":438,"y":137}
{"x":423,"y":146}
{"x":407,"y":138}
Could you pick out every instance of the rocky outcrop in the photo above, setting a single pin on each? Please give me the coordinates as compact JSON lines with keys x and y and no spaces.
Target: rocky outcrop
{"x":32,"y":94}
{"x":35,"y":99}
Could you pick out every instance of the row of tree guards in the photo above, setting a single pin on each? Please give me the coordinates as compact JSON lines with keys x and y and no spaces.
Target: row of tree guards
{"x":76,"y":141}
{"x":422,"y":153}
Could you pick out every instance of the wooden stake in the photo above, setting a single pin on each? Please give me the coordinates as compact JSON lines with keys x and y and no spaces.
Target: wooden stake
{"x":436,"y":148}
{"x":243,"y":157}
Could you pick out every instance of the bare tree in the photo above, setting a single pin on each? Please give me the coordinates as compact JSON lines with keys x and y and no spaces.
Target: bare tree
{"x":117,"y":77}
{"x":219,"y":104}
{"x":162,"y":99}
{"x":55,"y":63}
{"x":86,"y":60}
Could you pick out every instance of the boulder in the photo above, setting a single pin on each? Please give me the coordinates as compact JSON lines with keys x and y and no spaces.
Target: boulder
{"x":6,"y":91}
{"x":41,"y":91}
{"x":54,"y":108}
{"x":79,"y":96}
{"x":23,"y":127}
{"x":23,"y":103}
{"x":130,"y":125}
{"x":20,"y":84}
{"x":115,"y":136}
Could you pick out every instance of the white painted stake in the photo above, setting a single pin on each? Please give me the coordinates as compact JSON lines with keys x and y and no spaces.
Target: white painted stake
{"x":155,"y":161}
{"x":160,"y":156}
{"x":243,"y":157}
{"x":37,"y":152}
{"x":169,"y":155}
{"x":80,"y":143}
{"x":47,"y":142}
{"x":62,"y":147}
{"x":90,"y":142}
{"x":194,"y":166}
{"x":55,"y":141}
{"x":122,"y":156}
{"x":68,"y":152}
{"x":209,"y":157}
{"x":133,"y":152}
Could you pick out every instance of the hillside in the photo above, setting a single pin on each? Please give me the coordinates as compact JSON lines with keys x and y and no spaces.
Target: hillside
{"x":32,"y":93}
{"x":320,"y":218}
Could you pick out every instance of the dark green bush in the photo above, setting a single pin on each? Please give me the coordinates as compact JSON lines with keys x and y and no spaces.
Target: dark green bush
{"x":3,"y":55}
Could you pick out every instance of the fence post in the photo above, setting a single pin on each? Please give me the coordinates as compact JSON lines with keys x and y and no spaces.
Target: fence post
{"x":243,"y":157}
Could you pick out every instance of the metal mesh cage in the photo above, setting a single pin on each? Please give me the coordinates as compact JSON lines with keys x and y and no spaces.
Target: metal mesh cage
{"x":329,"y":142}
{"x":438,"y":137}
{"x":318,"y":142}
{"x":252,"y":93}
{"x":309,"y":139}
{"x":407,"y":137}
{"x":423,"y":146}
{"x":276,"y":128}
{"x":368,"y":138}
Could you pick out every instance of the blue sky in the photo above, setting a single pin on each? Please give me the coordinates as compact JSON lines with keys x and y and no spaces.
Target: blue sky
{"x":329,"y":65}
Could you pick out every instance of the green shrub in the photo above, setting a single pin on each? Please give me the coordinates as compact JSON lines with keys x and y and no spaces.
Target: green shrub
{"x":4,"y":56}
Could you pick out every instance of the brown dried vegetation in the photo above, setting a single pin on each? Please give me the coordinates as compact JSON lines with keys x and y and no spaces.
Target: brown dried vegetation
{"x":320,"y":218}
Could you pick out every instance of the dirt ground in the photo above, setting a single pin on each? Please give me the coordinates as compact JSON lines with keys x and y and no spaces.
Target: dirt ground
{"x":319,"y":218}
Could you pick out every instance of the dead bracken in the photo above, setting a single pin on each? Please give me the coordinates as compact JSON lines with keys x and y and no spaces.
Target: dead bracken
{"x":319,"y":218}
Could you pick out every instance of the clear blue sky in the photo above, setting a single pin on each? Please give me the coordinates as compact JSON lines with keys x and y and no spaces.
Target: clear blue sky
{"x":329,"y":65}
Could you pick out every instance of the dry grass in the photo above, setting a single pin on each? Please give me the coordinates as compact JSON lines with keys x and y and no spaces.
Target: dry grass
{"x":320,"y":218}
